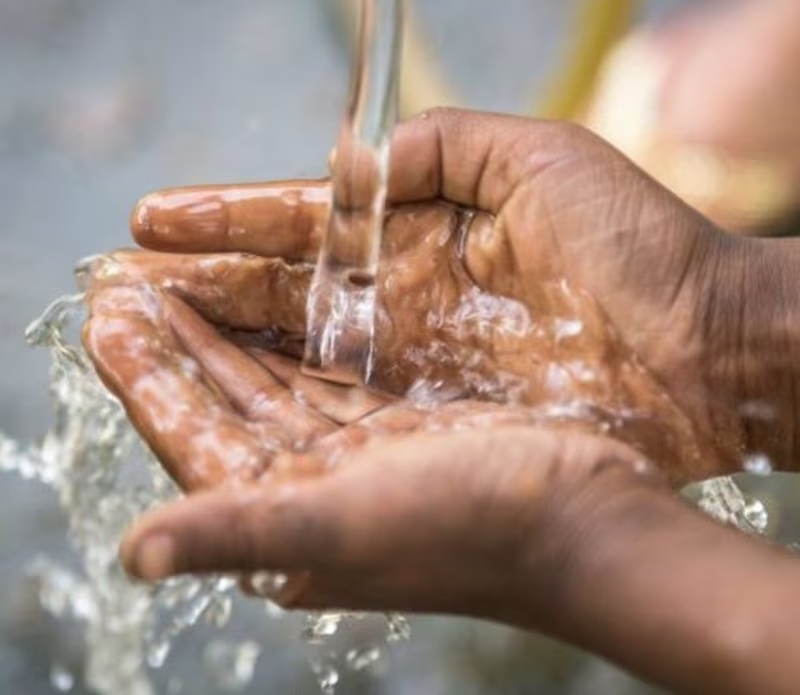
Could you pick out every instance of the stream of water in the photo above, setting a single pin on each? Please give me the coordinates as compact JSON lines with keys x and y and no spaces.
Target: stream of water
{"x":341,"y":306}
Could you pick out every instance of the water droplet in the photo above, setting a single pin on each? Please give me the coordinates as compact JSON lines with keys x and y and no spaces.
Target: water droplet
{"x":219,"y":610}
{"x":758,"y":464}
{"x":321,"y":627}
{"x":756,"y":515}
{"x":230,"y":665}
{"x":327,"y":677}
{"x":157,"y":653}
{"x":399,"y":629}
{"x":360,"y":659}
{"x":61,"y":678}
{"x":268,"y":584}
{"x":564,"y":329}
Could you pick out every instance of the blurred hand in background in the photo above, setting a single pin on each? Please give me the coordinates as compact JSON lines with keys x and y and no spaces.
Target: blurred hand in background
{"x":709,"y":102}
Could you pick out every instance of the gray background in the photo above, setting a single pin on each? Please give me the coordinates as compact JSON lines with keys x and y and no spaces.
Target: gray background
{"x":104,"y":100}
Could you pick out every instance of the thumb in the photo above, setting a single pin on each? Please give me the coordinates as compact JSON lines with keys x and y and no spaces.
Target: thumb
{"x":284,"y":525}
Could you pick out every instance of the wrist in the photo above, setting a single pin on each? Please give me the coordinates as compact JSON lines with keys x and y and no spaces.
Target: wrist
{"x":595,"y":478}
{"x":751,"y":352}
{"x":672,"y":596}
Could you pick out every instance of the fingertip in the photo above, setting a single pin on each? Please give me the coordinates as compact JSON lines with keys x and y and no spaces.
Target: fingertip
{"x":191,"y":219}
{"x":149,"y":556}
{"x":141,"y":219}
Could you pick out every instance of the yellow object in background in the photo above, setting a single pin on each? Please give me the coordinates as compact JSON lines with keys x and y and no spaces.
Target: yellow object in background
{"x":598,"y":25}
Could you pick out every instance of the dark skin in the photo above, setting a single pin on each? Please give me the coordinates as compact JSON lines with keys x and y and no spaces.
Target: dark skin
{"x":487,"y":505}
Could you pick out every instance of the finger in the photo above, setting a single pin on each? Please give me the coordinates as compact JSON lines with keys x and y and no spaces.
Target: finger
{"x":239,"y":291}
{"x":401,"y":498}
{"x":284,"y":526}
{"x":476,"y":159}
{"x":283,"y":219}
{"x":189,"y":426}
{"x":251,"y":389}
{"x":469,"y":158}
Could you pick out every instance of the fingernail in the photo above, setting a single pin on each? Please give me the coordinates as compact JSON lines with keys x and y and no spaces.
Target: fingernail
{"x":154,"y":558}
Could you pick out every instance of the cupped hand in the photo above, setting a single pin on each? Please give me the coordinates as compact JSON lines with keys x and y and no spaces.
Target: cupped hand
{"x":523,"y":261}
{"x":366,"y":501}
{"x":476,"y":519}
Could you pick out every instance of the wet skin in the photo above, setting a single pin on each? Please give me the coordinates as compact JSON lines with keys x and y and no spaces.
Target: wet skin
{"x":485,"y":505}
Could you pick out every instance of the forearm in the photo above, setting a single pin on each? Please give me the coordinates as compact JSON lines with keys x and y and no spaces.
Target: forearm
{"x":676,"y":598}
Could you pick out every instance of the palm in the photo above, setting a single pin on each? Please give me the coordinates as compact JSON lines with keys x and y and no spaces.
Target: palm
{"x":218,"y":404}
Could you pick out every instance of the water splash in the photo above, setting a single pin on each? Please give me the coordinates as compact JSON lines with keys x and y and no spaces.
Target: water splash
{"x":105,"y":477}
{"x":61,"y":678}
{"x":231,"y":664}
{"x":723,"y":500}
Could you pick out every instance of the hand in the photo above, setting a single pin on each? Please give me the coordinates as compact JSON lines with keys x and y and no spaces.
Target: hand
{"x":488,"y":514}
{"x":382,"y":499}
{"x":600,"y":268}
{"x":342,"y":470}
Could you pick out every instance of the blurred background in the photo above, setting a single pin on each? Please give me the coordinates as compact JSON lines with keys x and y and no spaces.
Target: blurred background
{"x":104,"y":100}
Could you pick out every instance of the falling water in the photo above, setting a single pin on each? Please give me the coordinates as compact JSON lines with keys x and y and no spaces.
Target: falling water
{"x":341,"y":305}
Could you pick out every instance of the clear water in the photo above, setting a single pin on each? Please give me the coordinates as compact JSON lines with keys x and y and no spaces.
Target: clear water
{"x":341,"y":306}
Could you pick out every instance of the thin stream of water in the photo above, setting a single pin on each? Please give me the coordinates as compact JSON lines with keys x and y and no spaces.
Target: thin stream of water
{"x":341,"y":305}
